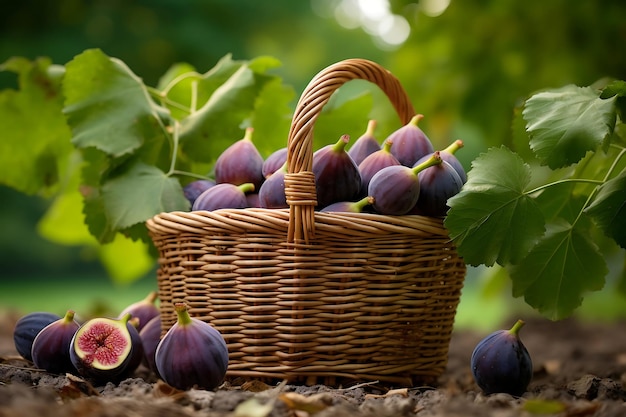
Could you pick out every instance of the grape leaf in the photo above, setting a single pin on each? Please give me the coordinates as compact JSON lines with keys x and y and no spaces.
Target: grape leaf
{"x":559,"y":270}
{"x":564,"y":124}
{"x":608,"y":209}
{"x":492,"y":219}
{"x":617,"y":88}
{"x":108,"y":106}
{"x":35,"y":143}
{"x":139,"y":193}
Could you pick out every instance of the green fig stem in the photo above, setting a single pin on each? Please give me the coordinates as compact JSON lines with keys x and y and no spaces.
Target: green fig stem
{"x":435,"y":159}
{"x":184,"y":319}
{"x":151,"y":297}
{"x":126,"y":318}
{"x":246,"y":187}
{"x":416,"y":119}
{"x":69,"y":316}
{"x":454,"y":146}
{"x":517,"y":327}
{"x":248,"y":134}
{"x":387,"y":145}
{"x":371,"y":126}
{"x":362,"y":203}
{"x":340,"y":146}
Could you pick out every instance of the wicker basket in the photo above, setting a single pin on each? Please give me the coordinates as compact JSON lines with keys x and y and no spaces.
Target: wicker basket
{"x":316,"y":297}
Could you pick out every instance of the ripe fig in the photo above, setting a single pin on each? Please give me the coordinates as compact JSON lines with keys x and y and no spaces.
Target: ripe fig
{"x":195,"y":188}
{"x":223,"y":196}
{"x":27,"y":328}
{"x":349,"y":206}
{"x":272,"y":192}
{"x":410,"y":143}
{"x":192,"y":353}
{"x":51,"y":347}
{"x":102,"y":348}
{"x":274,"y":162}
{"x":501,"y":363}
{"x":374,"y":163}
{"x":150,"y":337}
{"x":143,"y":310}
{"x":437,"y":184}
{"x":253,"y":199}
{"x":337,"y":177}
{"x":448,"y":156}
{"x":396,"y":188}
{"x":365,"y":144}
{"x":240,"y":163}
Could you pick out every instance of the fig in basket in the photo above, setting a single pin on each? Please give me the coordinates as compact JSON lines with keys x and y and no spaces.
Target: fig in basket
{"x":448,"y":155}
{"x":437,"y":184}
{"x":223,"y":196}
{"x":272,"y":192}
{"x":337,"y":177}
{"x":365,"y":144}
{"x":349,"y":206}
{"x":195,"y":188}
{"x":410,"y":143}
{"x":375,"y":162}
{"x":240,"y":163}
{"x":274,"y":162}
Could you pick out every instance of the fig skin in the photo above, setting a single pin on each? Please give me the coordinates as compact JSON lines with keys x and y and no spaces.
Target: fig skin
{"x":373,"y":163}
{"x":410,"y":143}
{"x":274,"y":162}
{"x":437,"y":184}
{"x":365,"y":145}
{"x":195,"y":188}
{"x":272,"y":192}
{"x":349,"y":206}
{"x":501,"y":363}
{"x":337,"y":176}
{"x":240,"y":163}
{"x":143,"y":310}
{"x":51,"y":347}
{"x":192,"y":353}
{"x":396,"y":188}
{"x":107,"y":348}
{"x":150,"y":337}
{"x":137,"y":353}
{"x":448,"y":156}
{"x":27,"y":328}
{"x":223,"y":196}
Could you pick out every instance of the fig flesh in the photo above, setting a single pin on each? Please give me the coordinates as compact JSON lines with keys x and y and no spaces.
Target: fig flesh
{"x":192,"y":353}
{"x":501,"y":363}
{"x":195,"y":188}
{"x":27,"y":328}
{"x":51,"y":347}
{"x":365,"y":144}
{"x":240,"y":163}
{"x":142,"y":310}
{"x":223,"y":196}
{"x":410,"y":143}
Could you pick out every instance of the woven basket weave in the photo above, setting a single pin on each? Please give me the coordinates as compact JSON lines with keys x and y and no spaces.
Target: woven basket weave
{"x":310,"y":296}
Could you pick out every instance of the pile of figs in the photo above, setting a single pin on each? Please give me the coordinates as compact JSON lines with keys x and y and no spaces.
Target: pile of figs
{"x":192,"y":354}
{"x":404,"y":175}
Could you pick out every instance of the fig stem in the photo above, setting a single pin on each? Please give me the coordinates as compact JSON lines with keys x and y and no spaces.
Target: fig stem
{"x":246,"y":187}
{"x":126,"y":318}
{"x":416,"y":119}
{"x":387,"y":145}
{"x":454,"y":146}
{"x":182,"y":312}
{"x":364,"y":202}
{"x":340,"y":146}
{"x":371,"y":126}
{"x":435,"y":159}
{"x":69,"y":316}
{"x":517,"y":327}
{"x":151,"y":297}
{"x":248,"y":134}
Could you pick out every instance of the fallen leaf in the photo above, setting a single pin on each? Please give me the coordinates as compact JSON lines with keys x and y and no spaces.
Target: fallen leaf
{"x":310,"y":404}
{"x":400,"y":391}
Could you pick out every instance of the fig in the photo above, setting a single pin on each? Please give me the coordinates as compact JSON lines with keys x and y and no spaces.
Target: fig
{"x":143,"y":310}
{"x":192,"y":353}
{"x":27,"y":328}
{"x":272,"y":192}
{"x":437,"y":184}
{"x":253,"y":199}
{"x":365,"y":144}
{"x":195,"y":188}
{"x":448,"y":156}
{"x":349,"y":206}
{"x":274,"y":162}
{"x":102,"y":348}
{"x":396,"y":188}
{"x":501,"y":363}
{"x":374,"y":163}
{"x":224,"y":196}
{"x":410,"y":143}
{"x":337,"y":177}
{"x":150,"y":337}
{"x":240,"y":163}
{"x":51,"y":347}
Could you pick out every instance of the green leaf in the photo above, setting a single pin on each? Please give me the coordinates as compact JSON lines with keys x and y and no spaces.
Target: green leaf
{"x":564,"y":124}
{"x":35,"y":143}
{"x":608,"y":209}
{"x":125,"y":260}
{"x":559,"y":270}
{"x":108,"y":106}
{"x":492,"y":219}
{"x":617,"y":88}
{"x":139,"y":193}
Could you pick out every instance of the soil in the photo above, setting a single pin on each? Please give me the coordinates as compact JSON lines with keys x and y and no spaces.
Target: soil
{"x":579,"y":371}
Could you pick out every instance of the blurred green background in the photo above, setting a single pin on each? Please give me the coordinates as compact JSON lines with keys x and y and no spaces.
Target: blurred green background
{"x":466,"y":65}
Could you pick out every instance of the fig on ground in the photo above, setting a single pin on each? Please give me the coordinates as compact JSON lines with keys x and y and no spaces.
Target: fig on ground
{"x":143,"y":310}
{"x":51,"y":347}
{"x":365,"y":144}
{"x":150,"y":337}
{"x":410,"y":143}
{"x":240,"y":163}
{"x":27,"y":328}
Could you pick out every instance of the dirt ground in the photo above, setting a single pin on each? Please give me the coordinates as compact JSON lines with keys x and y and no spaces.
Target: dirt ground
{"x":579,"y":371}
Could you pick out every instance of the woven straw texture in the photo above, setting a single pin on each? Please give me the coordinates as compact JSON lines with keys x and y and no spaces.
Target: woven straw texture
{"x":310,"y":296}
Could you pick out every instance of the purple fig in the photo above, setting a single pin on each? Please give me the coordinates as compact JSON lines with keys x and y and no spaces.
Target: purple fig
{"x":27,"y":328}
{"x":240,"y":163}
{"x":253,"y":199}
{"x":374,"y":163}
{"x":501,"y":363}
{"x":410,"y":143}
{"x":337,"y":177}
{"x":365,"y":144}
{"x":437,"y":184}
{"x":223,"y":196}
{"x":195,"y":188}
{"x":349,"y":206}
{"x":272,"y":192}
{"x":102,"y":348}
{"x":192,"y":353}
{"x":143,"y":310}
{"x":396,"y":188}
{"x":150,"y":337}
{"x":51,"y":347}
{"x":448,"y":156}
{"x":274,"y":162}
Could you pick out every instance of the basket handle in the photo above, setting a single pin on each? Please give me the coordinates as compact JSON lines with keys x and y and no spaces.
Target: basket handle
{"x":300,"y":181}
